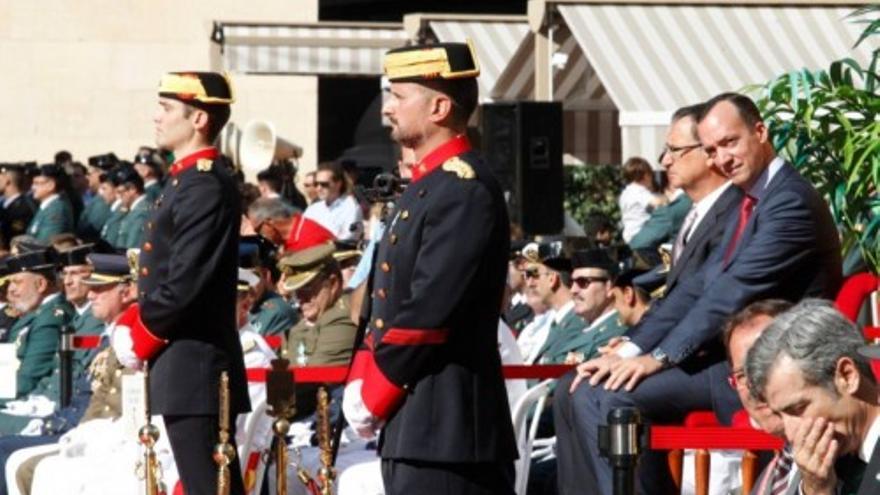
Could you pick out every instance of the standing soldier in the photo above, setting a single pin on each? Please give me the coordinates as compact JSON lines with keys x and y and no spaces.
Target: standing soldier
{"x":55,"y":214}
{"x":147,"y":163}
{"x":184,"y":325}
{"x":97,"y":210}
{"x":429,"y":372}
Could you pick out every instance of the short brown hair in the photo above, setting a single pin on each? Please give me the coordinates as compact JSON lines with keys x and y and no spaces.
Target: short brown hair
{"x":635,"y":169}
{"x":464,"y":94}
{"x":218,"y":116}
{"x":766,"y":307}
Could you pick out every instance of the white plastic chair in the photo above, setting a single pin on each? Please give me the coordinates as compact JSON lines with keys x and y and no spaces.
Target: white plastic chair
{"x":526,"y":430}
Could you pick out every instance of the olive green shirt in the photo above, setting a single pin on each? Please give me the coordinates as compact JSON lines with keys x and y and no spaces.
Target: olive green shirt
{"x":329,"y":341}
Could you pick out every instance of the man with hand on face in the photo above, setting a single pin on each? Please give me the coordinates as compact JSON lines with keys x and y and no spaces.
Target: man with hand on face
{"x":184,"y":325}
{"x":432,"y":314}
{"x":809,"y":367}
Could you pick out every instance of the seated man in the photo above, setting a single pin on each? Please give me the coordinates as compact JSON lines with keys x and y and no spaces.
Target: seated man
{"x":270,"y":314}
{"x":325,"y":335}
{"x":34,"y":292}
{"x":548,"y":275}
{"x":781,"y":476}
{"x":810,"y":368}
{"x":591,"y":284}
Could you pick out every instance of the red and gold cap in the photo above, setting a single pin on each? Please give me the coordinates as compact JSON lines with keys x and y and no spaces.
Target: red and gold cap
{"x":197,"y":88}
{"x":439,"y":61}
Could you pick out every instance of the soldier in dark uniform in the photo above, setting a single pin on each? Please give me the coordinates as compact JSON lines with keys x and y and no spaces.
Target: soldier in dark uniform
{"x":429,"y":373}
{"x":107,"y":190}
{"x":8,"y":313}
{"x":18,"y":208}
{"x":184,"y":325}
{"x":51,"y":187}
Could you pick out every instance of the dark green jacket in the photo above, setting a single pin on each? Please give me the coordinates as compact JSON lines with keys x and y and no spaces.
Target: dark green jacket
{"x":663,"y":224}
{"x":56,"y":218}
{"x":586,"y":345}
{"x":560,"y":334}
{"x":272,"y":315}
{"x":110,"y":231}
{"x":93,"y":217}
{"x":36,"y":336}
{"x":131,"y":227}
{"x":153,"y":191}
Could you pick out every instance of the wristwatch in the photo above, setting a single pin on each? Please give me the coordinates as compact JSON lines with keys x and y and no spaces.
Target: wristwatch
{"x":660,"y":356}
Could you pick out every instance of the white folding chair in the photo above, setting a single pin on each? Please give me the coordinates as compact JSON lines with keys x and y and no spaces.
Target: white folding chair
{"x":532,"y":401}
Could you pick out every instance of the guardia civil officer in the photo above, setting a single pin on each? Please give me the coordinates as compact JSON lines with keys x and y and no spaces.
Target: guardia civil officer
{"x":429,"y":373}
{"x":184,"y":325}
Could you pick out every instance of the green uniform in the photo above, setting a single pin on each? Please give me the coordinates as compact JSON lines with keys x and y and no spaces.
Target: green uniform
{"x":272,"y":315}
{"x":571,"y":326}
{"x":153,"y":191}
{"x":36,"y":336}
{"x":54,"y":218}
{"x":93,"y":217}
{"x":110,"y":231}
{"x":663,"y":224}
{"x":131,"y":227}
{"x":586,"y":345}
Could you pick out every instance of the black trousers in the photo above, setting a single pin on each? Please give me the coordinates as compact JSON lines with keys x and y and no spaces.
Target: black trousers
{"x":192,"y":441}
{"x":411,"y":477}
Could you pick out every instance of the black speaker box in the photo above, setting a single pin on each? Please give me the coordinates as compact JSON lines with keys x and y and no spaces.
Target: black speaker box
{"x":522,"y":143}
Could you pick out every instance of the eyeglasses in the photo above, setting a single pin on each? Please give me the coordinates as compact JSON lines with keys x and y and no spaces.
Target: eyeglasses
{"x":736,"y":378}
{"x":677,"y":152}
{"x":322,"y":184}
{"x":582,"y":282}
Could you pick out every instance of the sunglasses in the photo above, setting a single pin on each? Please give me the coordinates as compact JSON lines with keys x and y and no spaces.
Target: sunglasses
{"x":531,"y":273}
{"x":585,"y":281}
{"x":322,"y":184}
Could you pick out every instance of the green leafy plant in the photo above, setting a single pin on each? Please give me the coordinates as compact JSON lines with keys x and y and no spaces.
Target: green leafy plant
{"x":592,"y":189}
{"x":827,"y":124}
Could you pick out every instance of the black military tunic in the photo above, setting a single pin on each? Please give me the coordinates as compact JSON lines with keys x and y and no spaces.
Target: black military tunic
{"x":187,"y":288}
{"x":16,"y":216}
{"x":431,"y":367}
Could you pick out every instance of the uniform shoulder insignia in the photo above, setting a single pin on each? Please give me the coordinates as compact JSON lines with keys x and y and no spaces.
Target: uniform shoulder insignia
{"x":204,"y":165}
{"x":459,"y":167}
{"x":268,"y":305}
{"x":58,"y":312}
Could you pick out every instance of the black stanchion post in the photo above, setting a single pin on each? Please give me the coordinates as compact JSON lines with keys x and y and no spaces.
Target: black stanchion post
{"x":621,"y":442}
{"x":65,"y":364}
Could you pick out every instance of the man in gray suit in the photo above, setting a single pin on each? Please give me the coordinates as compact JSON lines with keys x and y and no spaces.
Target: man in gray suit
{"x":781,"y":476}
{"x":781,"y":242}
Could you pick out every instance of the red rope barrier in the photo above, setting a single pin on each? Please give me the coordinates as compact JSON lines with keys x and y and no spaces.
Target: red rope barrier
{"x":336,"y":374}
{"x":712,"y":437}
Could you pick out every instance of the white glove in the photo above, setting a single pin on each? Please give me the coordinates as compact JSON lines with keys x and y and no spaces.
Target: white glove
{"x":359,"y":417}
{"x":123,"y":346}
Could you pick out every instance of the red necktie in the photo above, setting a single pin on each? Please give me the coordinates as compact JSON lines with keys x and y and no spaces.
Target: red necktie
{"x":745,"y":212}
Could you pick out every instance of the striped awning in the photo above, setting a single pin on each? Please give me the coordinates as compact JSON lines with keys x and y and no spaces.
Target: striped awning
{"x":337,"y":48}
{"x":652,"y":59}
{"x":495,"y":41}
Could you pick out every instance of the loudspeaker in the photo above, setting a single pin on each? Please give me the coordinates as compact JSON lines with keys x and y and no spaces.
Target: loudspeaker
{"x":522,"y":143}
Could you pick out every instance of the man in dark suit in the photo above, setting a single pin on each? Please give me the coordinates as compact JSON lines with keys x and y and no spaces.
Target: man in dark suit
{"x":812,"y":368}
{"x":781,"y":242}
{"x":429,"y":374}
{"x":184,"y":325}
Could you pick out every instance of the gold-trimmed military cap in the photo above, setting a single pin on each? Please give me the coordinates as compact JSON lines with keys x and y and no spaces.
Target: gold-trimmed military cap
{"x":303,"y":266}
{"x":197,"y":88}
{"x":247,"y":280}
{"x":439,"y":61}
{"x":108,"y":269}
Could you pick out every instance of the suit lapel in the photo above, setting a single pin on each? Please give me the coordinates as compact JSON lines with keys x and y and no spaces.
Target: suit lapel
{"x":871,"y":479}
{"x":780,"y":178}
{"x":727,"y":200}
